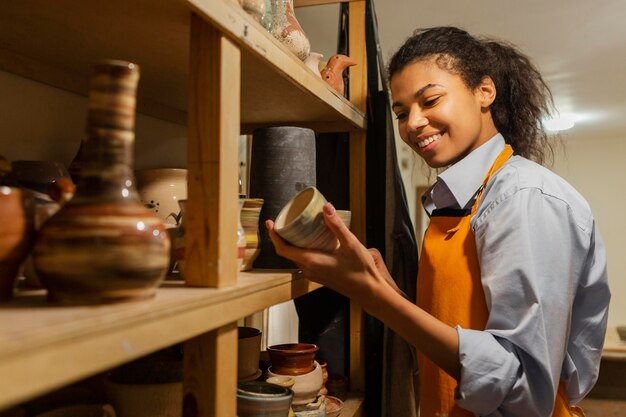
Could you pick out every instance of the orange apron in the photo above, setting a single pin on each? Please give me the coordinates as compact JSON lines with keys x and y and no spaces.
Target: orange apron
{"x":449,"y":287}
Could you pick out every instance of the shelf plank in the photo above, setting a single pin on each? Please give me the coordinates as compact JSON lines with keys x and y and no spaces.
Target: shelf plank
{"x":614,"y":348}
{"x":43,"y":346}
{"x":353,"y":406}
{"x":57,"y":42}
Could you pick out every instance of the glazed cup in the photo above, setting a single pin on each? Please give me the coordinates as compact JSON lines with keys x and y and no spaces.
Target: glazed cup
{"x":301,"y":222}
{"x":249,"y":352}
{"x":259,"y":398}
{"x":293,"y":358}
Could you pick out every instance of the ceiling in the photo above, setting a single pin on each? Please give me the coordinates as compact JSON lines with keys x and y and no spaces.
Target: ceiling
{"x":579,"y":46}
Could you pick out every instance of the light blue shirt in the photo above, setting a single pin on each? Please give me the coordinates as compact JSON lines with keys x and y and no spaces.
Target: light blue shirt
{"x":543,"y":270}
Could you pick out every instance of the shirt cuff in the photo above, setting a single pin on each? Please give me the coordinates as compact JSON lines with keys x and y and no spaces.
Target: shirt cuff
{"x":488,"y":372}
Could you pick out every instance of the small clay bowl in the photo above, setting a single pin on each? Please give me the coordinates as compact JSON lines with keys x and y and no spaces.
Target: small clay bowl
{"x":293,"y":358}
{"x":249,"y":351}
{"x":258,"y":398}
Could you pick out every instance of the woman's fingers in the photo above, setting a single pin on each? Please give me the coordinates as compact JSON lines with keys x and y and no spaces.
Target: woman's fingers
{"x":336,"y":225}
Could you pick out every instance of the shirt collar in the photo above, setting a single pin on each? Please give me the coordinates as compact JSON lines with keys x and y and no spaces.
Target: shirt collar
{"x":461,"y":180}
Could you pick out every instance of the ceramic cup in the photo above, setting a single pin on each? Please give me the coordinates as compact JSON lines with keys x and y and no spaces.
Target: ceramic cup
{"x":293,"y":358}
{"x":249,"y":352}
{"x":301,"y":222}
{"x":259,"y":398}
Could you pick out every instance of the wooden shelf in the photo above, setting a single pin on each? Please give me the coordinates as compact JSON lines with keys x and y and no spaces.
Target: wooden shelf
{"x":43,"y":347}
{"x":57,"y":42}
{"x":614,"y":348}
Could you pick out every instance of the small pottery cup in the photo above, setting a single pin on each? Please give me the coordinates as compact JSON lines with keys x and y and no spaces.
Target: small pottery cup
{"x":160,"y":189}
{"x":17,"y":232}
{"x":293,"y":358}
{"x":306,"y":387}
{"x":258,"y":398}
{"x":249,"y":352}
{"x":301,"y":222}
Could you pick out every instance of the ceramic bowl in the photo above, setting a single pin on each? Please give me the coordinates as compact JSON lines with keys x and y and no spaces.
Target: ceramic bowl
{"x":249,"y":351}
{"x":333,"y":406}
{"x":160,"y":189}
{"x":258,"y":398}
{"x":293,"y":358}
{"x":306,"y":386}
{"x":282,"y":380}
{"x":301,"y":222}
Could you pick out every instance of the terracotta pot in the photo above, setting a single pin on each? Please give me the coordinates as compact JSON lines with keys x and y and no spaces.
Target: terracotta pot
{"x":16,"y":235}
{"x":333,"y":406}
{"x":258,"y":398}
{"x":293,"y":358}
{"x":249,"y":351}
{"x":104,"y":245}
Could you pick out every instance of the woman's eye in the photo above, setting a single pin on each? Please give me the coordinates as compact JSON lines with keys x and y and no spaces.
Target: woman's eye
{"x":401,"y":116}
{"x":431,"y":101}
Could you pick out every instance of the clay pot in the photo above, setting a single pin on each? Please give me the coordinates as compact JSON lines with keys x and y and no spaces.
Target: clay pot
{"x":282,"y":164}
{"x":332,"y":73}
{"x":306,"y":387}
{"x":258,"y":398}
{"x":249,"y":218}
{"x":249,"y":351}
{"x":333,"y":406}
{"x":16,"y":235}
{"x":160,"y":189}
{"x":293,"y":358}
{"x":287,"y":29}
{"x":104,"y":245}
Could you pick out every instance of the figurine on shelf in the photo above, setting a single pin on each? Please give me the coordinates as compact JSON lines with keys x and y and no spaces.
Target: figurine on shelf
{"x":287,"y":29}
{"x":333,"y":71}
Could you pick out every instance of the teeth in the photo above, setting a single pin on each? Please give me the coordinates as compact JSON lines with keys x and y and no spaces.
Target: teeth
{"x":429,"y":140}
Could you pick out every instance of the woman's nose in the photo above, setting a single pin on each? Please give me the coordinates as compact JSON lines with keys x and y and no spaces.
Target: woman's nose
{"x":416,"y":120}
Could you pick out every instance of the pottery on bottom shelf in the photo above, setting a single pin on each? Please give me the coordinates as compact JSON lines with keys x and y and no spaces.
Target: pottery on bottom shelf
{"x":306,"y":387}
{"x":257,"y":398}
{"x":248,"y":353}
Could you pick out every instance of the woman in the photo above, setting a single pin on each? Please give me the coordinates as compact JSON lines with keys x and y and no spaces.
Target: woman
{"x":512,"y":296}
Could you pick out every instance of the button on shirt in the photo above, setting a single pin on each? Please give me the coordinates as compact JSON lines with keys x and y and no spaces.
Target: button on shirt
{"x":543,"y":270}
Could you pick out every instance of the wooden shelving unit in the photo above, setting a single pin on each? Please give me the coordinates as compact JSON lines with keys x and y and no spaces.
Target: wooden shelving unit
{"x":207,"y":65}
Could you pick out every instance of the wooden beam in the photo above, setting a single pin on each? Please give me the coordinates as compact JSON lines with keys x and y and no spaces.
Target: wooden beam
{"x":210,"y":384}
{"x":213,"y":129}
{"x":358,"y":97}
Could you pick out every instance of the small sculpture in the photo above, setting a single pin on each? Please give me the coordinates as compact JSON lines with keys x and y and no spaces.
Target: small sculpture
{"x":332,"y":73}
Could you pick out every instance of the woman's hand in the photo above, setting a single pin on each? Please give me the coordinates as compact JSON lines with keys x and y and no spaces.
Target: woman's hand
{"x":349,"y":269}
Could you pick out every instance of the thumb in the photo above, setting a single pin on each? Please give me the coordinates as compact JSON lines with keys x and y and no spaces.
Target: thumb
{"x":336,"y":225}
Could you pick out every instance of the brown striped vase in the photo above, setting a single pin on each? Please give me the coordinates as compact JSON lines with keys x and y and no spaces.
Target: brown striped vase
{"x":104,"y":245}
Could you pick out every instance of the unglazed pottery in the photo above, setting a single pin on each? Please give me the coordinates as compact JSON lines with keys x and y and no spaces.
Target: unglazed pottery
{"x":104,"y":245}
{"x":333,"y":406}
{"x":306,"y":387}
{"x":249,"y":219}
{"x":16,"y":235}
{"x":333,"y":71}
{"x":287,"y":29}
{"x":282,"y":164}
{"x":262,"y":399}
{"x":301,"y":222}
{"x":337,"y":386}
{"x":160,"y":189}
{"x":293,"y":358}
{"x":248,"y":353}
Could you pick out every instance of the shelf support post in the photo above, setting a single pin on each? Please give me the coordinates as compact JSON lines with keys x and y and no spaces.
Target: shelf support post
{"x":213,"y":161}
{"x":358,"y":96}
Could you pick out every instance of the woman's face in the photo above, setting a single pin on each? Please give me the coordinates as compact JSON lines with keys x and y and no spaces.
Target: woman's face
{"x":438,"y":116}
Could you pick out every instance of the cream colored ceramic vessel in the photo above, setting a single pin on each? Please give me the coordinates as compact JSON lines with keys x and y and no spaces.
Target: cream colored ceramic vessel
{"x":160,"y":189}
{"x":301,"y":221}
{"x":306,"y":386}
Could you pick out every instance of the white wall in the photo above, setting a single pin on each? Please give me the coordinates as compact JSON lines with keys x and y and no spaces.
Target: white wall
{"x":40,"y":122}
{"x":596,"y":167}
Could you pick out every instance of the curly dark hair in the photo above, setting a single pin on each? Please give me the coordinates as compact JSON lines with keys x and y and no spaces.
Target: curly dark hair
{"x":522,"y":96}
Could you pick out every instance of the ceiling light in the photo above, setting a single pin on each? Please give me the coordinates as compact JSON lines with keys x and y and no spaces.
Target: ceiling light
{"x":562,"y":122}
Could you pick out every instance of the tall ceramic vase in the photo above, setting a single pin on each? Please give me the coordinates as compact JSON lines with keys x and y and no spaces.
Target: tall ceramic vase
{"x":282,"y":165}
{"x":287,"y":29}
{"x":105,"y":245}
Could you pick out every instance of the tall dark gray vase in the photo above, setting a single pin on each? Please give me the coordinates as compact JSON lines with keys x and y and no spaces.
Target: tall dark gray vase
{"x":282,"y":164}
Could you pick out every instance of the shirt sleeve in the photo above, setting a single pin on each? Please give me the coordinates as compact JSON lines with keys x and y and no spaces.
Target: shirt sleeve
{"x":532,"y":249}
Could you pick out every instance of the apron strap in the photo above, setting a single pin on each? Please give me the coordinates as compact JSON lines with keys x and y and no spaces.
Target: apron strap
{"x":499,"y":162}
